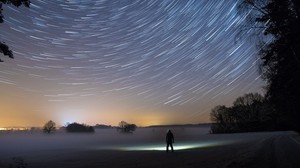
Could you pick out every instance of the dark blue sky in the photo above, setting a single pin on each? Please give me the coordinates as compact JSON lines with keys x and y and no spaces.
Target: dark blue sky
{"x":103,"y":61}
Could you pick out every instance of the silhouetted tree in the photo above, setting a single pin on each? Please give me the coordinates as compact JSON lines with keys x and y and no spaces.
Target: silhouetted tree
{"x":249,"y":113}
{"x":220,"y":116}
{"x":126,"y":127}
{"x":278,"y":21}
{"x":49,"y":127}
{"x":76,"y":127}
{"x":3,"y":47}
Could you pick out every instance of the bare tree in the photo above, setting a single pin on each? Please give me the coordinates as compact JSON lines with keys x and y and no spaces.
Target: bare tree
{"x":248,"y":99}
{"x":49,"y":127}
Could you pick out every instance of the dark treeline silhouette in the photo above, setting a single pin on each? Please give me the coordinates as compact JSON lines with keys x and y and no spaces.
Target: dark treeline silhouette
{"x":249,"y":113}
{"x":102,"y":126}
{"x":125,"y":127}
{"x":76,"y":127}
{"x":3,"y":47}
{"x":278,"y":23}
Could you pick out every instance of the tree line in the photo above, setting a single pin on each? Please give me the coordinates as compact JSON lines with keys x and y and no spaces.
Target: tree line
{"x":251,"y":112}
{"x":276,"y":23}
{"x":124,"y":127}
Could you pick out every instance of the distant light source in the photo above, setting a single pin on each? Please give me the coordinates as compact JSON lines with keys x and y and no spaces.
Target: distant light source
{"x":14,"y":128}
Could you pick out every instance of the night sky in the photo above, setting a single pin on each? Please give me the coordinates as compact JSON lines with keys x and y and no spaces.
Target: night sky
{"x":143,"y":61}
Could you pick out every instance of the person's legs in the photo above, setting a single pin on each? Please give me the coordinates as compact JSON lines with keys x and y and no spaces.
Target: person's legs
{"x":167,"y":149}
{"x":172,"y":147}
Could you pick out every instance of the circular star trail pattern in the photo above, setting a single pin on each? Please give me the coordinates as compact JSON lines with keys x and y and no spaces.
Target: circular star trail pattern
{"x":172,"y":55}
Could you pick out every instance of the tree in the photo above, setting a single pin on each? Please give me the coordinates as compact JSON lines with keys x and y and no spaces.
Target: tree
{"x":249,"y":113}
{"x":222,"y":122}
{"x":248,"y":99}
{"x":49,"y":127}
{"x":254,"y":112}
{"x":279,"y":22}
{"x":3,"y":47}
{"x":76,"y":127}
{"x":126,"y":127}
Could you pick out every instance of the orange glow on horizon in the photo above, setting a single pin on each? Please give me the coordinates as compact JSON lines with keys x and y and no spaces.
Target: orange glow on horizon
{"x":92,"y":114}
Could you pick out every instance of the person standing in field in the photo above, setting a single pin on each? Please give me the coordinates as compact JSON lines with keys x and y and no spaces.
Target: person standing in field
{"x":170,"y":140}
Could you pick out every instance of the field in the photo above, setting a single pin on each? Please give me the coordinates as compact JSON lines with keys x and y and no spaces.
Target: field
{"x":194,"y":147}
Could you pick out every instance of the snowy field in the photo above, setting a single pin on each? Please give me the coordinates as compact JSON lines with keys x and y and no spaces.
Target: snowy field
{"x":194,"y":147}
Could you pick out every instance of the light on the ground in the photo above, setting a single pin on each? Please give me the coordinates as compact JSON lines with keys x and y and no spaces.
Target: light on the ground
{"x":182,"y":146}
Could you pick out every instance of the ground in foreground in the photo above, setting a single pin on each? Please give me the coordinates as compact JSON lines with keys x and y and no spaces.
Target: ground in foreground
{"x":145,"y":148}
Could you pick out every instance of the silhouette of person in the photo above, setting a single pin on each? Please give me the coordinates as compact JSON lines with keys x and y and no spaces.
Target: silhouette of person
{"x":170,"y":140}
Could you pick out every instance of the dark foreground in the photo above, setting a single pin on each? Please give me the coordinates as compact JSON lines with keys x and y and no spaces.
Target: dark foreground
{"x":273,"y":150}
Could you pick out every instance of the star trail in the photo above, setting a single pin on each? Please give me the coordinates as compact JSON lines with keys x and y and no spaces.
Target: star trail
{"x":103,"y":61}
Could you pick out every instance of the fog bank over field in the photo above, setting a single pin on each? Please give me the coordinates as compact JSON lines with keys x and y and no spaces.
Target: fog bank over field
{"x":109,"y":139}
{"x":146,"y":148}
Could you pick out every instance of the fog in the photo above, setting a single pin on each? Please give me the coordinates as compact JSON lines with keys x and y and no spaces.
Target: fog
{"x":38,"y":144}
{"x":15,"y":143}
{"x":104,"y":145}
